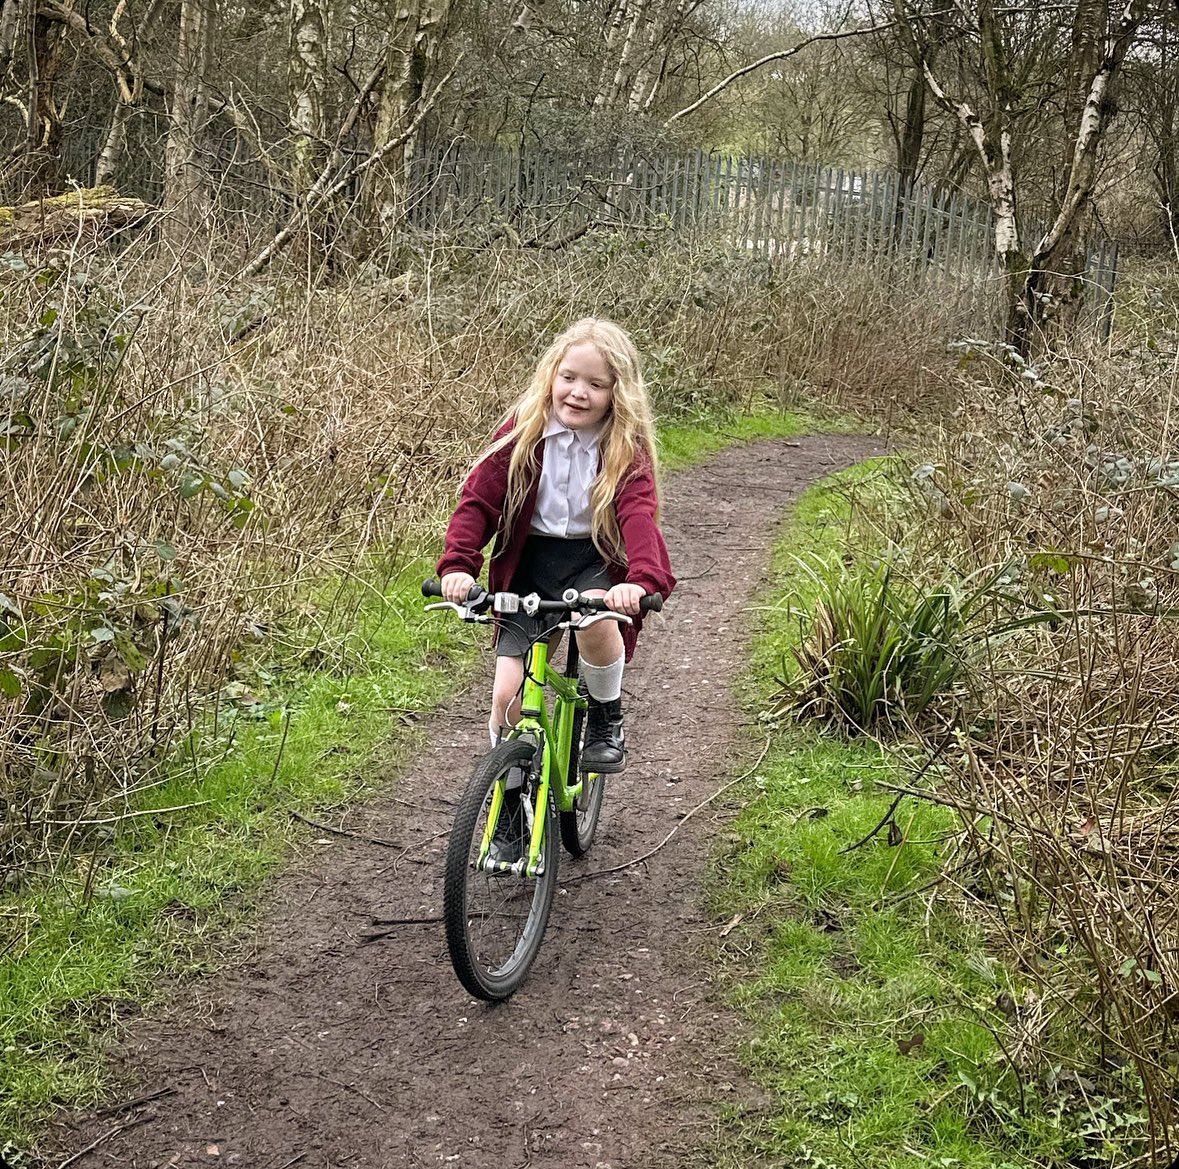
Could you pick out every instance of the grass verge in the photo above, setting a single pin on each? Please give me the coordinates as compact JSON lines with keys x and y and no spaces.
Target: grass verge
{"x":686,"y":444}
{"x":151,"y":892}
{"x":885,"y":1031}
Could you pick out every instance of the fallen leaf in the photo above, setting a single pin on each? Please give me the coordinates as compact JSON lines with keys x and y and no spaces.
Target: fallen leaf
{"x":904,"y":1046}
{"x":895,"y":835}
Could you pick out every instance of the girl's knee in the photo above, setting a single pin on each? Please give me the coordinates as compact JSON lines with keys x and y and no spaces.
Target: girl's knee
{"x":600,"y":643}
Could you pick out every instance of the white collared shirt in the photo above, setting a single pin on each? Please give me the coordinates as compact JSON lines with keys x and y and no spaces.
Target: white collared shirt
{"x":569,"y":469}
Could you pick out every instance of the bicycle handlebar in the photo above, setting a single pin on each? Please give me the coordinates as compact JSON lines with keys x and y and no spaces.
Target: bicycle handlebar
{"x":479,"y":600}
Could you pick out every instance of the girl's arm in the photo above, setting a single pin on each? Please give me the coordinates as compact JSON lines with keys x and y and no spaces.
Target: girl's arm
{"x":477,"y":517}
{"x":648,"y":563}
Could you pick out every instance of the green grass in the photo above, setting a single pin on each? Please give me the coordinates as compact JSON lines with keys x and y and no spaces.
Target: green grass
{"x":875,"y":1007}
{"x":686,"y":444}
{"x":91,"y":940}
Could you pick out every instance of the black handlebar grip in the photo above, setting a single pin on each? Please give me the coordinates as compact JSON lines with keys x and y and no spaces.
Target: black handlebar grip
{"x":651,"y":603}
{"x":433,"y":588}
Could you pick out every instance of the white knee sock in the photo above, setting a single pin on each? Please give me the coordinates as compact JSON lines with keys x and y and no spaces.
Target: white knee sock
{"x":604,"y":683}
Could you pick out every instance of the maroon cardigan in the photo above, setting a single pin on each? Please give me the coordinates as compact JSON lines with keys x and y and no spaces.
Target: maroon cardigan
{"x":479,"y":516}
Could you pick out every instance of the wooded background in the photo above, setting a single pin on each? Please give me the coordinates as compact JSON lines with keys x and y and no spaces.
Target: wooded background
{"x":262,"y":123}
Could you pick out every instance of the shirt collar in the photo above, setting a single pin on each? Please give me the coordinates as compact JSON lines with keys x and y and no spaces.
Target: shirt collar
{"x":588,"y":436}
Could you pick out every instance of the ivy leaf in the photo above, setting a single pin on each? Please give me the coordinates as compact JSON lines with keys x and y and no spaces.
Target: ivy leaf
{"x":165,"y":551}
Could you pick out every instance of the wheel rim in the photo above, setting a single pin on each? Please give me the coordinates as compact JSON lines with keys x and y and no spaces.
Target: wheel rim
{"x":588,"y":803}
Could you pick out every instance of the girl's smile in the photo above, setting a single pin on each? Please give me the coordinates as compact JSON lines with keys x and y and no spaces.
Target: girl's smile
{"x":583,"y":387}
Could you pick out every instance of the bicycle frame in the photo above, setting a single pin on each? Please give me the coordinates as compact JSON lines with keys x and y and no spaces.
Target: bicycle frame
{"x":553,"y":736}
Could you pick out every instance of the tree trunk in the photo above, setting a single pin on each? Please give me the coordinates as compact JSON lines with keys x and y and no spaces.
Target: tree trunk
{"x":114,"y":146}
{"x":186,"y":188}
{"x":10,"y":13}
{"x":912,"y":134}
{"x":1053,"y":286}
{"x":412,"y":50}
{"x":43,"y":145}
{"x":129,"y":88}
{"x":306,"y":92}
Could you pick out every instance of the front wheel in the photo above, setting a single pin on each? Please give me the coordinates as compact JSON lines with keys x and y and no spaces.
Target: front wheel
{"x":495,"y":917}
{"x":579,"y":826}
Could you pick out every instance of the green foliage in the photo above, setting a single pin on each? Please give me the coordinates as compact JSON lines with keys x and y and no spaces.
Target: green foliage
{"x":877,"y":650}
{"x":86,"y":944}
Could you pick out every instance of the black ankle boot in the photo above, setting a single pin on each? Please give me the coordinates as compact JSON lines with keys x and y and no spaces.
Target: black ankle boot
{"x":604,"y":750}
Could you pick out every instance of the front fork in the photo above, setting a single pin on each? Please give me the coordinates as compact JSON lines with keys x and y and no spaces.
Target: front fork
{"x":529,"y":865}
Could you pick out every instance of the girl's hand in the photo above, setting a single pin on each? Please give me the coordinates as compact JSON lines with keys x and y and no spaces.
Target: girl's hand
{"x":456,"y":586}
{"x":625,"y":598}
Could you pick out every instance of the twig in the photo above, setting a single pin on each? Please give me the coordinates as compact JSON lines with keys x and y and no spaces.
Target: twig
{"x":114,"y":1132}
{"x":687,"y":816}
{"x":125,"y":816}
{"x":901,"y":795}
{"x":394,"y":923}
{"x":883,"y":820}
{"x":345,"y":832}
{"x":781,"y":55}
{"x":111,"y":1109}
{"x":286,"y":726}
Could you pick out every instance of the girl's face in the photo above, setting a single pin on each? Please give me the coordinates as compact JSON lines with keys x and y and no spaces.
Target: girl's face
{"x":583,"y":387}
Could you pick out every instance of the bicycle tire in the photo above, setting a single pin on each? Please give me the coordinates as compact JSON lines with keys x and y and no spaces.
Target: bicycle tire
{"x":579,"y":826}
{"x":495,"y":921}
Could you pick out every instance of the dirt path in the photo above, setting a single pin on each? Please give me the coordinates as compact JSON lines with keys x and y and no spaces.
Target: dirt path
{"x":315,"y":1049}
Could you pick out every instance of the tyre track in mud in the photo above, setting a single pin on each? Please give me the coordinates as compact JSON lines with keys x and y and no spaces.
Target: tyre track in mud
{"x":313,"y":1048}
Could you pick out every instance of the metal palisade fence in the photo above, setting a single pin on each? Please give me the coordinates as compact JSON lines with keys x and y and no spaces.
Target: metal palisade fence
{"x":768,"y":208}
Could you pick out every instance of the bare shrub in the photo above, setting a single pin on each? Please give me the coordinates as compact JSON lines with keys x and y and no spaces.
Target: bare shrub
{"x":1063,"y":480}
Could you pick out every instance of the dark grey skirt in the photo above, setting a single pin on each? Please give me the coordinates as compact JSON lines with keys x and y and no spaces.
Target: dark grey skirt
{"x":548,"y":566}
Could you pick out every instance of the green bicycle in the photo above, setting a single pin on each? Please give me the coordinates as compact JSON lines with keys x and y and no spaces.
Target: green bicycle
{"x":501,"y":862}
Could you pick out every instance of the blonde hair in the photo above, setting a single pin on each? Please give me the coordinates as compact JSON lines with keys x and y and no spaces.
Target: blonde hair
{"x":628,"y":430}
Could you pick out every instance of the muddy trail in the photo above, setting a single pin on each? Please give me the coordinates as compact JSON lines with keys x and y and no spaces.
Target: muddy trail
{"x":316,"y":1048}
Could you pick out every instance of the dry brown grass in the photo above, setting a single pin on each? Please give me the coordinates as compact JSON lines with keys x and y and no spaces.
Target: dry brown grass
{"x":188,"y":454}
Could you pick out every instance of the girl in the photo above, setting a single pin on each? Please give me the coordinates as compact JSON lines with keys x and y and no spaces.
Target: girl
{"x":567,"y":488}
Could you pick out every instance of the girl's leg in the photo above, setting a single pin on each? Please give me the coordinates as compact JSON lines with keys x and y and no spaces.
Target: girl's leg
{"x":505,"y":694}
{"x":602,"y":661}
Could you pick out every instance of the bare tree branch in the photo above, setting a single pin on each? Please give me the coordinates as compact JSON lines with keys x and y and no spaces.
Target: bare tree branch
{"x":782,"y":55}
{"x":331,"y":182}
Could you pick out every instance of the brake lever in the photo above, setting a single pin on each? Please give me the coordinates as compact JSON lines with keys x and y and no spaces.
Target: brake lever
{"x":464,"y":611}
{"x":609,"y":615}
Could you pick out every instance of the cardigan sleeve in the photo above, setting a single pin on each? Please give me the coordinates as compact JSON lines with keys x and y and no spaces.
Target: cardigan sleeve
{"x":478,"y":515}
{"x":636,"y":505}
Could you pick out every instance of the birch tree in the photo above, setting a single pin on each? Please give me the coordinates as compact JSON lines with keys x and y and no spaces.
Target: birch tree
{"x":418,"y":28}
{"x":130,"y":87}
{"x":307,"y":91}
{"x":186,"y":179}
{"x":1041,"y":279}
